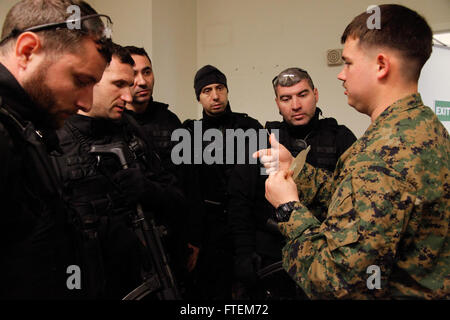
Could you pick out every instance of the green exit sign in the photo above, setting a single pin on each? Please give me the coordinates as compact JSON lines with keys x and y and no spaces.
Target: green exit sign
{"x":442,"y":109}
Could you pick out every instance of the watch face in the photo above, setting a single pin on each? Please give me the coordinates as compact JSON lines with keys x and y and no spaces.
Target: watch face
{"x":283,"y":212}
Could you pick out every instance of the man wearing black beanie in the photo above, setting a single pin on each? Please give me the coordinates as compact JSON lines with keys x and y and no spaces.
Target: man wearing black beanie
{"x":213,"y":272}
{"x":208,"y":75}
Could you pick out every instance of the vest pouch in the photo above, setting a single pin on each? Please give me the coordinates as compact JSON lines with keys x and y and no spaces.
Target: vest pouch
{"x":91,"y":258}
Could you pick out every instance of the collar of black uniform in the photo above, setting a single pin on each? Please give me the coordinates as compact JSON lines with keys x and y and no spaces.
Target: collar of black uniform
{"x":17,"y":99}
{"x":303,"y":131}
{"x":95,"y":127}
{"x":217,"y":121}
{"x":153,"y":107}
{"x":148,"y":111}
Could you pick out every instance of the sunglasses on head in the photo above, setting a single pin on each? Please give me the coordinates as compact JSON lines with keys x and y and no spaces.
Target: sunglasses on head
{"x":283,"y":76}
{"x":96,"y":25}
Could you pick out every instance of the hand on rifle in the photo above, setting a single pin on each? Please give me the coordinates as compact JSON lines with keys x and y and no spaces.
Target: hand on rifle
{"x":132,"y":183}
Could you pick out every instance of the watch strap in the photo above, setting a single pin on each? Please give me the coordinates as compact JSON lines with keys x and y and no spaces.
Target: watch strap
{"x":283,"y":212}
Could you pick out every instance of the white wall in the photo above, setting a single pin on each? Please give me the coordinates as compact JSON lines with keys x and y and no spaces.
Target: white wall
{"x":253,"y":40}
{"x":175,"y":54}
{"x":5,"y":5}
{"x":132,"y":20}
{"x":434,"y":83}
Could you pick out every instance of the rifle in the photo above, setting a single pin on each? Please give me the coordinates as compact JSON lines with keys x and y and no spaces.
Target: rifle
{"x":161,"y":281}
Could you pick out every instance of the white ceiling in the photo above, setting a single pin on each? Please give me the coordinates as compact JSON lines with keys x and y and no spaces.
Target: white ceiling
{"x":443,"y":37}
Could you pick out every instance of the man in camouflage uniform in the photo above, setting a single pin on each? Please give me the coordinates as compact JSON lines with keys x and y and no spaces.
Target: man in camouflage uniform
{"x":389,"y":197}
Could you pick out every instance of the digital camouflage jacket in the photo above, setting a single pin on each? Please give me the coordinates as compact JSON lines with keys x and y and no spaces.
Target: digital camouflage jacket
{"x":388,"y":206}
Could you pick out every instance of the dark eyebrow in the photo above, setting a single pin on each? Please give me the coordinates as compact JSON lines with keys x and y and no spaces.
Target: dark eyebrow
{"x":136,"y":71}
{"x":121,"y":82}
{"x":290,"y":95}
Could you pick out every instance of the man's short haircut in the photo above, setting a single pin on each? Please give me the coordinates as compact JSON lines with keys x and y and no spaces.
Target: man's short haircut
{"x":401,"y":29}
{"x":30,"y":13}
{"x":138,"y":51}
{"x":290,"y":77}
{"x":122,"y":54}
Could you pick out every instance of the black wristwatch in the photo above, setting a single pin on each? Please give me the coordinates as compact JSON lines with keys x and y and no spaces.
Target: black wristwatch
{"x":283,"y":212}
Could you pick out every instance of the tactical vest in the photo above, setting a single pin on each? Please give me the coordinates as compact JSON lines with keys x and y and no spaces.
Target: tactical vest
{"x":42,"y":197}
{"x":215,"y":177}
{"x":88,"y":178}
{"x":324,"y":152}
{"x":161,"y":135}
{"x":93,"y":195}
{"x":28,"y":140}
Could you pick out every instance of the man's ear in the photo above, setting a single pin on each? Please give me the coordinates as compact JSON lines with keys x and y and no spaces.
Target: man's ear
{"x":383,"y":66}
{"x":27,"y":44}
{"x":316,"y":94}
{"x":277,"y":102}
{"x":278,"y":107}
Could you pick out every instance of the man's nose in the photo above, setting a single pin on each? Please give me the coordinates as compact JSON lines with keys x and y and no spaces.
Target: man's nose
{"x":214,"y":94}
{"x":296,"y":103}
{"x":139,"y":80}
{"x":84,"y":103}
{"x":126,"y":95}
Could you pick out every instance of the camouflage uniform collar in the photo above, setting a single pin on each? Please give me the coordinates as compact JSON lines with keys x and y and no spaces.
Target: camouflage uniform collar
{"x":409,"y":102}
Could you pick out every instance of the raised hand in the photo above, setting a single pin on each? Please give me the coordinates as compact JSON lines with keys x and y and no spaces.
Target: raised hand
{"x":276,"y":158}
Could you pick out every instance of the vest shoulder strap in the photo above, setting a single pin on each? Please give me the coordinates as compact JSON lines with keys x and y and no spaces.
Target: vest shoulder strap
{"x":273,"y":125}
{"x":328,"y":123}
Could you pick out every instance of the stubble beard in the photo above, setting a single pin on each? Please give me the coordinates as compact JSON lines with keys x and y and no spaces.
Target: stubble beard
{"x":141,"y":106}
{"x":42,"y":96}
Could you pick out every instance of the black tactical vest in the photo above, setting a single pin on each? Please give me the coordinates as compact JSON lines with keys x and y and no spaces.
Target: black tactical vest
{"x":214,"y":178}
{"x":40,"y":202}
{"x":92,"y":194}
{"x":158,"y":123}
{"x":321,"y":137}
{"x":88,"y":179}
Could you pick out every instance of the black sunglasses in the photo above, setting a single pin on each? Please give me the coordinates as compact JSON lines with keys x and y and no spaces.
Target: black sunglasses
{"x":98,"y":25}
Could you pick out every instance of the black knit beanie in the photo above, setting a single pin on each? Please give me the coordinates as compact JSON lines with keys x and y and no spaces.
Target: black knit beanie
{"x":206,"y":76}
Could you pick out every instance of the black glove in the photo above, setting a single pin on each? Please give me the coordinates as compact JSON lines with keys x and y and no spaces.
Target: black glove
{"x":246,"y":266}
{"x":132,"y":183}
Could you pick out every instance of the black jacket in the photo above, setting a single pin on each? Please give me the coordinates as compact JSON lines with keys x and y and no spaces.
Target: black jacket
{"x":35,"y":236}
{"x":158,"y":123}
{"x":211,"y":181}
